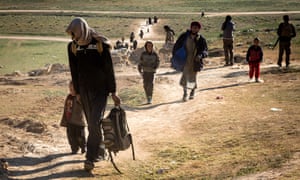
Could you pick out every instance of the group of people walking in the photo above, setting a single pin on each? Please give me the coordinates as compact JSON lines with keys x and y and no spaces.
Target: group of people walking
{"x":93,"y":77}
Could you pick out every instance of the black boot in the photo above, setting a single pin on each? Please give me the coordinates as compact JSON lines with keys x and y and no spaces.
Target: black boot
{"x":192,"y":94}
{"x":184,"y":94}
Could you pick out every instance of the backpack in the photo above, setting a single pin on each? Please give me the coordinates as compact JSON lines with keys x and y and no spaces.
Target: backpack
{"x":116,"y":134}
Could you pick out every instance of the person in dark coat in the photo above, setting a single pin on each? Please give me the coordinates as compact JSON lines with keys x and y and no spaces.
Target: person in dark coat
{"x":286,"y":31}
{"x":94,"y":80}
{"x":73,"y":120}
{"x":196,"y":48}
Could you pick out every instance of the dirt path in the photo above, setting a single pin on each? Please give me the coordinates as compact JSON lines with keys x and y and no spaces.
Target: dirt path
{"x":48,"y":157}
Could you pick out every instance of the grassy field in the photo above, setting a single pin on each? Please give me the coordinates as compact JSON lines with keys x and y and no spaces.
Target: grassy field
{"x":26,"y":55}
{"x":115,"y":26}
{"x":156,"y":5}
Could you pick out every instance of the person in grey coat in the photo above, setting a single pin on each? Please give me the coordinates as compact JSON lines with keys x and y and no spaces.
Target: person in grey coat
{"x":149,"y":62}
{"x":228,"y":27}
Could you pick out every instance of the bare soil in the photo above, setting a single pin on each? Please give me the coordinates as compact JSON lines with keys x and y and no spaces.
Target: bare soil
{"x":35,"y":146}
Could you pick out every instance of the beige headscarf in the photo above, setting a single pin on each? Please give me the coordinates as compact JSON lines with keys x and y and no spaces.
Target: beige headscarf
{"x":83,"y":34}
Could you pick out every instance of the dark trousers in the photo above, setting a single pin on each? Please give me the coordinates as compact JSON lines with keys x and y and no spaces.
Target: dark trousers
{"x":94,"y":107}
{"x":148,"y":81}
{"x":76,"y":137}
{"x":228,"y":50}
{"x":254,"y":69}
{"x":284,"y":46}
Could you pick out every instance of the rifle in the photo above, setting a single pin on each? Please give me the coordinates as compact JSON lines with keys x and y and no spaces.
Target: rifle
{"x":275,"y":43}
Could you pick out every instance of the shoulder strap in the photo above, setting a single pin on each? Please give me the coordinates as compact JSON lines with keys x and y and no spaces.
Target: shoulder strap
{"x":113,"y":163}
{"x":99,"y":46}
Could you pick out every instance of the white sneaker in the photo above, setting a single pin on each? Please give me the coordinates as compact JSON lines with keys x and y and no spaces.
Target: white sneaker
{"x":251,"y":80}
{"x":259,"y":80}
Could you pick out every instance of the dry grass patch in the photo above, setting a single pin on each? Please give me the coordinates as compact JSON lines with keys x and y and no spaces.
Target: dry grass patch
{"x":239,"y":136}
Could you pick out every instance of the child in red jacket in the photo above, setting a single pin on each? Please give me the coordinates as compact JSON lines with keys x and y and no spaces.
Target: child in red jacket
{"x":254,"y":57}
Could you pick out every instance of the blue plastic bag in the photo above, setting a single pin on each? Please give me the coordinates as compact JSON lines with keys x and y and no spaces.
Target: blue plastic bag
{"x":179,"y":59}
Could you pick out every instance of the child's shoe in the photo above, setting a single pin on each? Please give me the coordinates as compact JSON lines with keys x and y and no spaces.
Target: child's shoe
{"x":251,"y":80}
{"x":259,"y":80}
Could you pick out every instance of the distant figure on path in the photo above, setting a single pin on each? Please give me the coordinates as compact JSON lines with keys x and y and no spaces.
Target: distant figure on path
{"x":150,"y":20}
{"x":228,"y":27}
{"x":169,"y":40}
{"x":134,"y":44}
{"x":155,"y":19}
{"x":286,"y":31}
{"x":141,"y":34}
{"x":202,"y":14}
{"x":132,"y":36}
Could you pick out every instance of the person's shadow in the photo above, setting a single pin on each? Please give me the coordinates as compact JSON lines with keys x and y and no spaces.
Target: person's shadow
{"x":31,"y":162}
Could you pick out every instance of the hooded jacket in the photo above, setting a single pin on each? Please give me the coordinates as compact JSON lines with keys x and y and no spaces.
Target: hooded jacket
{"x":90,"y":59}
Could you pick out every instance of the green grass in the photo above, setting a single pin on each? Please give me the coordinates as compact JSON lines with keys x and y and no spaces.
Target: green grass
{"x":132,"y":96}
{"x":25,"y":55}
{"x":15,"y":53}
{"x":156,"y":5}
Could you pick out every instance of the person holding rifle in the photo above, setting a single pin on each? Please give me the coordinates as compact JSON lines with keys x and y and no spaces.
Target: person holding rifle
{"x":286,"y":31}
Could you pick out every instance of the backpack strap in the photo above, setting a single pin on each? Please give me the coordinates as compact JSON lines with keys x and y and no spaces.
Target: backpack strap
{"x":99,"y":47}
{"x":113,"y":163}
